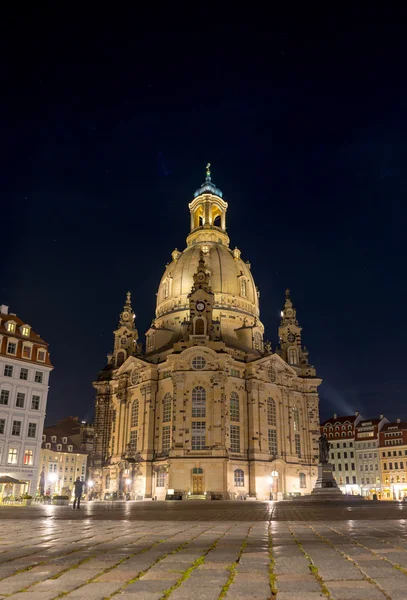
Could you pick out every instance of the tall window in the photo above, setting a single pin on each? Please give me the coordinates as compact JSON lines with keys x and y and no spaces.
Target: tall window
{"x":11,"y":327}
{"x":32,"y":430}
{"x":257,"y":343}
{"x":35,"y":403}
{"x":271,"y":412}
{"x":38,"y":376}
{"x":20,"y":400}
{"x":28,"y":457}
{"x":272,"y":439}
{"x":198,"y":435}
{"x":235,"y":438}
{"x":296,"y":419}
{"x":161,"y":478}
{"x":134,"y":413}
{"x":8,"y":371}
{"x":133,"y":440}
{"x":199,"y":327}
{"x":292,"y":356}
{"x":234,"y":407}
{"x":239,"y":478}
{"x":12,"y":456}
{"x":303,"y":480}
{"x":120,"y":358}
{"x":271,"y":374}
{"x":167,"y":408}
{"x":4,"y":397}
{"x":2,"y":425}
{"x":166,"y":438}
{"x":24,"y":373}
{"x":41,"y":355}
{"x":166,"y":288}
{"x":298,"y":444}
{"x":16,"y":429}
{"x":243,"y":287}
{"x":198,"y":402}
{"x":11,"y":348}
{"x":26,"y":330}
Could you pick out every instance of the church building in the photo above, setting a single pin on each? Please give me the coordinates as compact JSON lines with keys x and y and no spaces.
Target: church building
{"x":208,"y":409}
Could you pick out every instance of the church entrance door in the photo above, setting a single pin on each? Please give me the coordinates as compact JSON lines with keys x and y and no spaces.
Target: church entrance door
{"x":197,"y":484}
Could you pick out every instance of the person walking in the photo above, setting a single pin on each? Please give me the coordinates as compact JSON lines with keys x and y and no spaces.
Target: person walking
{"x":78,"y":493}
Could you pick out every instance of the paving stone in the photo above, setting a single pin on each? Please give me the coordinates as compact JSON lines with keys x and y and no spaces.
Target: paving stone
{"x":297,"y":585}
{"x":94,"y":591}
{"x":252,"y":590}
{"x":354,"y":590}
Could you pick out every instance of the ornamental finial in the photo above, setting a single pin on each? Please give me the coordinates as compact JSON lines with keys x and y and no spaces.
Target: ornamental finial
{"x":128,"y":298}
{"x":208,"y":170}
{"x":287,"y":293}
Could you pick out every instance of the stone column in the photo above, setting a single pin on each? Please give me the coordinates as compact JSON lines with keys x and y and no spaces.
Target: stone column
{"x":219,"y":421}
{"x":253,"y":429}
{"x":178,"y":413}
{"x":148,"y":392}
{"x":223,"y":220}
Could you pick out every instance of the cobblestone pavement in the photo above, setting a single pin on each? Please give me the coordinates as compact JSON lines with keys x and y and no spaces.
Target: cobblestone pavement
{"x":105,"y":551}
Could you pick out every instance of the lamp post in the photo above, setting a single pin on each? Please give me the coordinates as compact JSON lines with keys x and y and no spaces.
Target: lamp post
{"x":52,"y":477}
{"x":90,"y":486}
{"x":273,"y":483}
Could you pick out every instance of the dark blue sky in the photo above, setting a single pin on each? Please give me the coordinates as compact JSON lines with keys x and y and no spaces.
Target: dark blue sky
{"x":107,"y":126}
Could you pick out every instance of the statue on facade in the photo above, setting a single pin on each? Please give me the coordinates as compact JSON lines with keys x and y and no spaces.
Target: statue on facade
{"x":324,"y":446}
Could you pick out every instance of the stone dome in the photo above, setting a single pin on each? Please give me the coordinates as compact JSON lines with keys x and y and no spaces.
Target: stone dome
{"x":236,"y":297}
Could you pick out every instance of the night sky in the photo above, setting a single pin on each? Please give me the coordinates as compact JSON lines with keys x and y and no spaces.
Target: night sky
{"x":107,"y":124}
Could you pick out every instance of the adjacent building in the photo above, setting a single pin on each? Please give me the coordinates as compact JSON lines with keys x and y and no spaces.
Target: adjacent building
{"x":24,"y":375}
{"x":209,"y":409}
{"x":367,"y":455}
{"x":62,"y":461}
{"x":340,"y":432}
{"x":393,"y":460}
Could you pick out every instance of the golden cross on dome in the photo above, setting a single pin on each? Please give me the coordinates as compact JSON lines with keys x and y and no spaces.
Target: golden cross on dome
{"x":208,"y":170}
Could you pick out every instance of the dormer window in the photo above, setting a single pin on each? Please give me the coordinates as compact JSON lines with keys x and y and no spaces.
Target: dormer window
{"x":59,"y":447}
{"x":48,"y":446}
{"x":44,"y":438}
{"x":25,"y":330}
{"x":243,"y":287}
{"x":26,"y":351}
{"x":53,"y":438}
{"x":70,"y":448}
{"x":41,"y":355}
{"x":11,"y":327}
{"x":64,"y":440}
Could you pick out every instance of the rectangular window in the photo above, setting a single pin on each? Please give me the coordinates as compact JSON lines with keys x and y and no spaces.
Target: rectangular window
{"x":353,"y":466}
{"x":11,"y":348}
{"x":38,"y":376}
{"x":338,"y":454}
{"x":4,"y":397}
{"x":32,"y":430}
{"x":353,"y":479}
{"x":26,"y":351}
{"x":41,"y":355}
{"x":347,"y":480}
{"x":198,"y":435}
{"x":28,"y":457}
{"x":2,"y":425}
{"x":167,"y":409}
{"x":20,"y":400}
{"x":339,"y":467}
{"x":134,"y":413}
{"x":166,"y":437}
{"x":199,"y":407}
{"x":298,"y":445}
{"x":391,"y":466}
{"x":332,"y":455}
{"x":346,"y":467}
{"x":35,"y":403}
{"x":396,"y":465}
{"x":235,"y":438}
{"x":161,"y":478}
{"x":24,"y":373}
{"x":8,"y":371}
{"x":16,"y":429}
{"x":12,"y":456}
{"x":401,"y":465}
{"x":345,"y":455}
{"x":133,"y":440}
{"x":351,"y":455}
{"x":272,"y":439}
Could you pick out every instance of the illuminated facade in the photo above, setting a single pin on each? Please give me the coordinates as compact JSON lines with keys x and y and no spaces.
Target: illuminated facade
{"x":367,"y":455}
{"x":208,"y":410}
{"x":62,"y":461}
{"x":393,"y":460}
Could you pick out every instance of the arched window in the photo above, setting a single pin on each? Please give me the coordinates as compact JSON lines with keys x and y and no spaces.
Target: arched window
{"x":166,"y":288}
{"x":271,"y":374}
{"x":199,"y":327}
{"x":167,"y":407}
{"x":216,"y":221}
{"x":134,"y":414}
{"x":199,"y":402}
{"x":296,"y":419}
{"x":303,"y":480}
{"x":234,"y":407}
{"x":243,"y":286}
{"x":257,"y":343}
{"x":292,"y":356}
{"x":271,"y":412}
{"x":239,"y":478}
{"x":121,"y":356}
{"x":150,"y":342}
{"x":197,"y":471}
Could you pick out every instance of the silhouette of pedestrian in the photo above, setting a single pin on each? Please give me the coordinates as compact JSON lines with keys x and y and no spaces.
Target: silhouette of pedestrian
{"x":78,"y":493}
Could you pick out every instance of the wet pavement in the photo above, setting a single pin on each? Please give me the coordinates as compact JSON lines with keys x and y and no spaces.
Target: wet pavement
{"x":204,"y":550}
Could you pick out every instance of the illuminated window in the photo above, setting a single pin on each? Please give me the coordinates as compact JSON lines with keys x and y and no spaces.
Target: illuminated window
{"x":166,"y":438}
{"x":292,"y":356}
{"x":272,"y":439}
{"x":11,"y":327}
{"x":28,"y":457}
{"x":167,"y":407}
{"x":271,"y":412}
{"x":303,"y":480}
{"x":243,"y":287}
{"x":239,"y":478}
{"x":296,"y":419}
{"x":198,"y":363}
{"x":161,"y":478}
{"x":12,"y":456}
{"x":235,"y":438}
{"x":298,"y":445}
{"x":199,"y":402}
{"x":257,"y":341}
{"x":134,"y":413}
{"x":25,"y":331}
{"x":234,"y":407}
{"x":271,"y":374}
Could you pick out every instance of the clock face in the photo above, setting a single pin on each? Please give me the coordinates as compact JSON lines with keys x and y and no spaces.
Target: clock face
{"x":125,"y":315}
{"x":291,"y":338}
{"x":200,"y":306}
{"x":124,"y":340}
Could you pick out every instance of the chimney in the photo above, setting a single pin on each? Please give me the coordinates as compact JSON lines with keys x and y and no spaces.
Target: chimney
{"x":356,"y":413}
{"x":3,"y":309}
{"x":335,"y":415}
{"x":381,"y":417}
{"x":398,"y":420}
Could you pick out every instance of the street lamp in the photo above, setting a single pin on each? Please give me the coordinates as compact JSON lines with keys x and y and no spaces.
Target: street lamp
{"x":273,"y":478}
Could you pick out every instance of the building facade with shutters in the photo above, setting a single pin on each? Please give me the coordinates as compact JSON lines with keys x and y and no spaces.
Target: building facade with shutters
{"x":209,"y":409}
{"x":24,"y":373}
{"x":393,"y":460}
